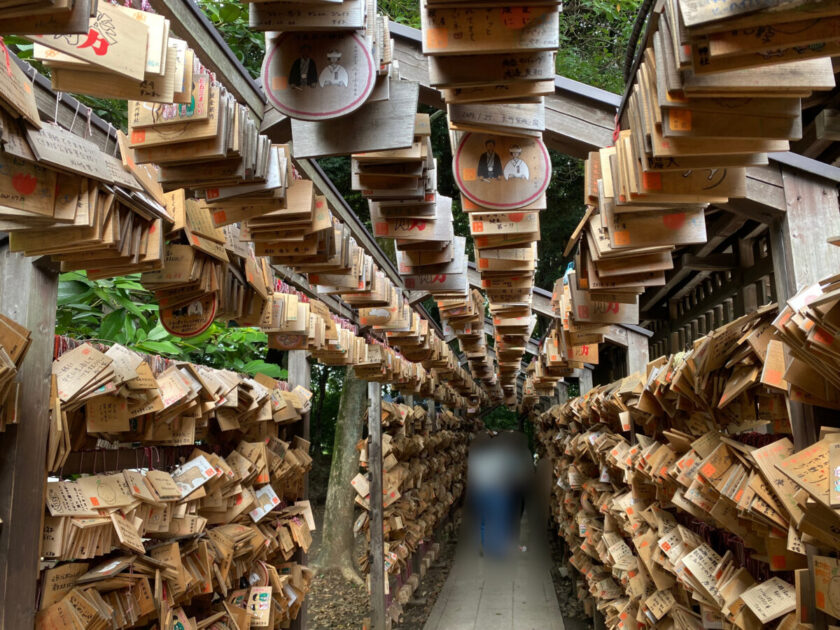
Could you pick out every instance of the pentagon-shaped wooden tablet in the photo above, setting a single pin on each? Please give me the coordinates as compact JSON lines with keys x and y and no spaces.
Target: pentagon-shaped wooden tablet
{"x":318,"y":76}
{"x":501,"y":172}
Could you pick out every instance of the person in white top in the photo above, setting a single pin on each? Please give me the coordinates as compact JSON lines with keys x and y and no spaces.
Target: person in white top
{"x":516,"y":168}
{"x":334,"y":74}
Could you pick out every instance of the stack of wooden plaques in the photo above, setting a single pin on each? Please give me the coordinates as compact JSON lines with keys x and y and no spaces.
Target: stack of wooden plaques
{"x":728,"y":40}
{"x":114,"y":395}
{"x":423,"y":476}
{"x":329,"y":69}
{"x":124,"y":54}
{"x":696,"y":509}
{"x":494,"y":64}
{"x":165,"y":539}
{"x":558,"y":357}
{"x":66,"y":198}
{"x":718,"y":89}
{"x":14,"y":342}
{"x":67,"y":17}
{"x":464,"y":318}
{"x":212,"y":146}
{"x":807,"y":367}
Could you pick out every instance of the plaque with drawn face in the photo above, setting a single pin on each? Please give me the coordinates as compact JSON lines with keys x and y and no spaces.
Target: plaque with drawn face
{"x":318,"y":76}
{"x":501,"y":172}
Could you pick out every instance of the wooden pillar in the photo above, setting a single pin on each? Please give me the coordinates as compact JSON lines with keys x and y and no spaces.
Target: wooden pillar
{"x":28,"y":291}
{"x":377,"y":548}
{"x":430,"y":408}
{"x":801,"y":257}
{"x":637,"y":352}
{"x":585,"y":380}
{"x":300,"y":374}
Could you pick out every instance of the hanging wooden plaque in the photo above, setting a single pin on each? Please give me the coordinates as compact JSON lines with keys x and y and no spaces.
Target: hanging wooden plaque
{"x":318,"y":76}
{"x":501,"y":172}
{"x":189,"y":320}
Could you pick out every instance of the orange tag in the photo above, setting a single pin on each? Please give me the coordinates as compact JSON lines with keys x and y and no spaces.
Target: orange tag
{"x":437,"y":37}
{"x":652,"y":181}
{"x":708,"y":470}
{"x":478,"y":226}
{"x":679,"y":119}
{"x":621,"y":237}
{"x":483,"y":263}
{"x":138,"y":136}
{"x":381,"y":228}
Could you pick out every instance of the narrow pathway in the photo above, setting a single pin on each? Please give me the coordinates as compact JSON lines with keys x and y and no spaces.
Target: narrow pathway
{"x":486,"y":594}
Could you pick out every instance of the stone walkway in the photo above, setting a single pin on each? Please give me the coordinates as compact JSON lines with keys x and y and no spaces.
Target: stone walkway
{"x":487,"y":594}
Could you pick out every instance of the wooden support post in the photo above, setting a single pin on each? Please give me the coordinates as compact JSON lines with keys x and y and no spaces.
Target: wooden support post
{"x":585,"y":381}
{"x":637,"y":352}
{"x":300,"y":374}
{"x":801,"y":256}
{"x":430,"y":408}
{"x":28,"y":296}
{"x":377,"y":548}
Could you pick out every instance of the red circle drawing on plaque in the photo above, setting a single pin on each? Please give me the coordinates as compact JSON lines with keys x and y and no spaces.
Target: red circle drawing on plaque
{"x":318,"y":76}
{"x":189,"y":320}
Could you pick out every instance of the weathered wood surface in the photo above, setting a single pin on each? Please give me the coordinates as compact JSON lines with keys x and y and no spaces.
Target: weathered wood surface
{"x":377,"y":126}
{"x":28,"y":292}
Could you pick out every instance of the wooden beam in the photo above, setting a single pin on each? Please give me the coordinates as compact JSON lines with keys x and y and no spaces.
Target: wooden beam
{"x":300,"y":374}
{"x":710,"y":262}
{"x":719,"y":231}
{"x":189,"y":23}
{"x":28,"y":294}
{"x":377,"y":548}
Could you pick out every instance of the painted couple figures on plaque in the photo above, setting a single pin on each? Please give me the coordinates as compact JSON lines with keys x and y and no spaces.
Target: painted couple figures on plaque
{"x":318,"y":76}
{"x":491,"y":181}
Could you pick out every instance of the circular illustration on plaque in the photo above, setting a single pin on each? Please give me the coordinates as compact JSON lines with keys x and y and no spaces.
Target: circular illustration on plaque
{"x":318,"y":76}
{"x":189,"y":320}
{"x":501,"y":172}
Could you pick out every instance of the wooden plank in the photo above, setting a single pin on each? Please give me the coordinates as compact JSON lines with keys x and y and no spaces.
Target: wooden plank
{"x":376,"y":126}
{"x":28,"y":296}
{"x":377,"y":549}
{"x":300,"y":374}
{"x":637,"y":352}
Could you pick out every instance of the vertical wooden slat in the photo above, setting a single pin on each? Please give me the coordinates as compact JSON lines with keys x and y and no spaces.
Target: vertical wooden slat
{"x":28,"y":291}
{"x":377,"y":549}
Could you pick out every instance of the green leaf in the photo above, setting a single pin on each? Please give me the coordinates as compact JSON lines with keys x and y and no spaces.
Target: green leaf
{"x":230,"y":13}
{"x":158,"y":347}
{"x":269,"y":369}
{"x":157,"y":333}
{"x":112,"y":324}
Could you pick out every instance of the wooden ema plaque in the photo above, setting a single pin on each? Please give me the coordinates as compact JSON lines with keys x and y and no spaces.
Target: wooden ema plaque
{"x":189,"y":320}
{"x":318,"y":76}
{"x":501,"y":172}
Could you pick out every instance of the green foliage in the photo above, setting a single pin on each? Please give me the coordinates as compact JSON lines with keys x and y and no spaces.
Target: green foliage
{"x":121,"y":310}
{"x":594,"y":36}
{"x":231,"y":20}
{"x":501,"y":419}
{"x":402,"y":11}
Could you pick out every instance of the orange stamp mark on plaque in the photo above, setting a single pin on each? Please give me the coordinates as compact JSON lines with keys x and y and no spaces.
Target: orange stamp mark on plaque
{"x":437,"y":37}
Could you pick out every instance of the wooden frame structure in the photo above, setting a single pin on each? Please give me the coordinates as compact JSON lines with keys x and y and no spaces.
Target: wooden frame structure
{"x":761,"y":248}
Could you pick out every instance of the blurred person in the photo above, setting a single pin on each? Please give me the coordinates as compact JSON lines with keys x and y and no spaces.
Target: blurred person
{"x":496,"y":481}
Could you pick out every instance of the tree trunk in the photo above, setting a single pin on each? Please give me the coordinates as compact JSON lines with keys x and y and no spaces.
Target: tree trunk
{"x":337,"y":540}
